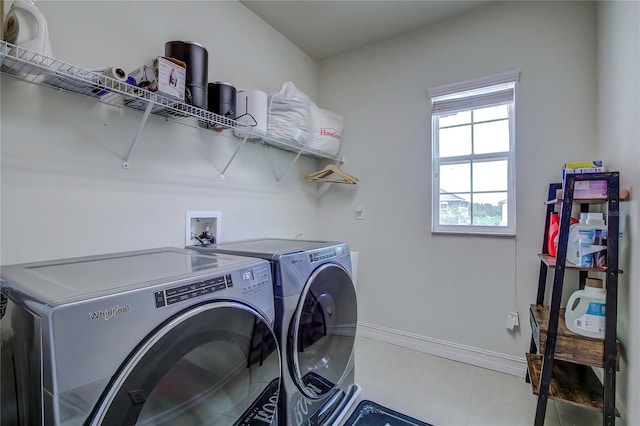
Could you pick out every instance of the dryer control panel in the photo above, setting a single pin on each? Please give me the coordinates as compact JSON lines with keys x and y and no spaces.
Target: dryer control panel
{"x":325,"y":254}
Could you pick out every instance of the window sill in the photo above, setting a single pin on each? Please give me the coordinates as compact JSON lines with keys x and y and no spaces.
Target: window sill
{"x":474,"y":234}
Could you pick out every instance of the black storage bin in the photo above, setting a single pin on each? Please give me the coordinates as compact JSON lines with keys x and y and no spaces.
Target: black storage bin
{"x":197,"y":60}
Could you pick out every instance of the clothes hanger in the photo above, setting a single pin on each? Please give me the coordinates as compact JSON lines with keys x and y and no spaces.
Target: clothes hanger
{"x":331,"y":169}
{"x":322,"y":176}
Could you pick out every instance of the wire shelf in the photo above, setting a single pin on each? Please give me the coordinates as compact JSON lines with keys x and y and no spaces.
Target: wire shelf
{"x":38,"y":69}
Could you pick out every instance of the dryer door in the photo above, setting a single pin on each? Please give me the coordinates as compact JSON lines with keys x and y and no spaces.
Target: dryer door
{"x":215,"y":364}
{"x":322,"y":331}
{"x":17,"y":392}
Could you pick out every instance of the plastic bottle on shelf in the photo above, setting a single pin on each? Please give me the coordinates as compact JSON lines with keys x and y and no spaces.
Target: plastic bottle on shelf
{"x":552,"y":240}
{"x":585,"y":312}
{"x":585,"y":240}
{"x":26,"y":27}
{"x":573,"y":245}
{"x":592,"y":250}
{"x":594,"y":223}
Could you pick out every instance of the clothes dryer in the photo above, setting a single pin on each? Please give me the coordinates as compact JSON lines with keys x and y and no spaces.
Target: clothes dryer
{"x":162,"y":337}
{"x":316,"y":316}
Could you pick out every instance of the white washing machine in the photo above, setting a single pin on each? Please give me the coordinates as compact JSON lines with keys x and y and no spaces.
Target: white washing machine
{"x":162,"y":337}
{"x":316,"y":316}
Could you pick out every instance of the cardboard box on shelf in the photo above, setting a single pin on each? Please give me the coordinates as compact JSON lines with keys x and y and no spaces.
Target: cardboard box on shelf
{"x":582,"y":164}
{"x":163,"y":75}
{"x":590,"y":189}
{"x":587,"y":189}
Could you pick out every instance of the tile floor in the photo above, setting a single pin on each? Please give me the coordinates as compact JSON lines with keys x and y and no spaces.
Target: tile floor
{"x":444,"y":392}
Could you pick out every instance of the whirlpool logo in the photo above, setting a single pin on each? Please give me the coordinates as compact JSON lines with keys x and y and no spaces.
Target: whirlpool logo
{"x":108,"y":313}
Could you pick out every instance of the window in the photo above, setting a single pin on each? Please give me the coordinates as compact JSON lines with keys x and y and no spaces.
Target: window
{"x":473,"y":156}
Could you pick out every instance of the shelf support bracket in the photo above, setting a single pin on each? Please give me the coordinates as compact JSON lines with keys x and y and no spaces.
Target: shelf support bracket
{"x":145,"y":117}
{"x":278,"y":178}
{"x":233,"y":157}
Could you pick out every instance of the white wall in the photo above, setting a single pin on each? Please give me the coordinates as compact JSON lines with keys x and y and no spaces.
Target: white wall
{"x":64,"y":191}
{"x":618,"y":136}
{"x":456,"y":289}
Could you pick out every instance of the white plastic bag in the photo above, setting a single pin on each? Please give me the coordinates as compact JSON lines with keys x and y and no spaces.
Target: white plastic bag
{"x":325,"y":130}
{"x":288,"y":113}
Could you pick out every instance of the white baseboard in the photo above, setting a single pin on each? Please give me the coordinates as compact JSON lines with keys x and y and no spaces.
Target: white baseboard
{"x":469,"y":355}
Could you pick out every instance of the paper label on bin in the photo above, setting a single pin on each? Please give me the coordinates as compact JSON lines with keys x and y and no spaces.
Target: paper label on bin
{"x":594,"y":319}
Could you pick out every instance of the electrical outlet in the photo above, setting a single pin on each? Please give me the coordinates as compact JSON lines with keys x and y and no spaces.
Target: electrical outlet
{"x":202,"y":226}
{"x":512,"y":320}
{"x":360,"y":213}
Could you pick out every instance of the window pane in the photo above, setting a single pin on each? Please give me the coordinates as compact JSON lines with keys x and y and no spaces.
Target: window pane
{"x":454,"y":209}
{"x":455,"y":177}
{"x":490,"y":209}
{"x":463,"y":117}
{"x":472,"y":143}
{"x":455,"y":141}
{"x":490,"y":176}
{"x":491,"y":137}
{"x":491,"y":113}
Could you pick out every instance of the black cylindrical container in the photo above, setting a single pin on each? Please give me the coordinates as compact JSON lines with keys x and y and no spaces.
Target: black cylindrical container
{"x":222,"y":99}
{"x":197,"y":60}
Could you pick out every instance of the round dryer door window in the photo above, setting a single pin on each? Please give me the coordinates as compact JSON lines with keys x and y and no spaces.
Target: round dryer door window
{"x":216,"y":364}
{"x":322,"y":331}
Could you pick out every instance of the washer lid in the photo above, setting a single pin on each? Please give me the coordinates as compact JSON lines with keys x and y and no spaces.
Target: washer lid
{"x":52,"y":281}
{"x":268,"y":247}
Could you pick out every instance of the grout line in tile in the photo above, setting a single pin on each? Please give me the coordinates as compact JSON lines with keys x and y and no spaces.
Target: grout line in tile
{"x":555,"y":405}
{"x":466,"y":422}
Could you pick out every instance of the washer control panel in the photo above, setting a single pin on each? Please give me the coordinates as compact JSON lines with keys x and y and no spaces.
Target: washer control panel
{"x":254,"y":278}
{"x":250,"y":279}
{"x":189,"y":291}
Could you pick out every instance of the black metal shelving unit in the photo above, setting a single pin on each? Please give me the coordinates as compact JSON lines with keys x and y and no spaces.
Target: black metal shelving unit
{"x":559,"y":361}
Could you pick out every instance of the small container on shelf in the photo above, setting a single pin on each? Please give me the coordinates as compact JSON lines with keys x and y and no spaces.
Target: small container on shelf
{"x":552,"y":242}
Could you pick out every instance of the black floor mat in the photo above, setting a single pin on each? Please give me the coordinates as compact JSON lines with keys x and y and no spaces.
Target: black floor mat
{"x":368,"y":413}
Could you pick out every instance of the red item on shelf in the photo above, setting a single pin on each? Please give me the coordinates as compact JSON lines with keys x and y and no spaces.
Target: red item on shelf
{"x":552,"y":242}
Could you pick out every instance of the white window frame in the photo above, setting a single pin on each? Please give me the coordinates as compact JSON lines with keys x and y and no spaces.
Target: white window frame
{"x":444,"y":98}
